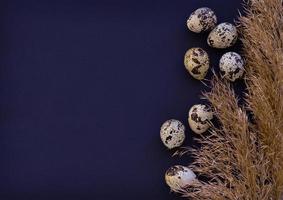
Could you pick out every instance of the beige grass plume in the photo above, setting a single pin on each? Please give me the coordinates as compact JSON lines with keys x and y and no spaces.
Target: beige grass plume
{"x":242,"y":158}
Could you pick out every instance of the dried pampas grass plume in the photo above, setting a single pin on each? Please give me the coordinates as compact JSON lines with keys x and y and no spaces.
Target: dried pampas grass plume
{"x":262,"y":39}
{"x":242,"y":157}
{"x":228,"y":157}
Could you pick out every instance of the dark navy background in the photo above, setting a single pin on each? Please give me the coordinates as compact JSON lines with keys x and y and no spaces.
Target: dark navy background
{"x":85,"y":86}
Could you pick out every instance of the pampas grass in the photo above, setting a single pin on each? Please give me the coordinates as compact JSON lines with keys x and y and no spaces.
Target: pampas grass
{"x":242,"y":157}
{"x":263,"y":46}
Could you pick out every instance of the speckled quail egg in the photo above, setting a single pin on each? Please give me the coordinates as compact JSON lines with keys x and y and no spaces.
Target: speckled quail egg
{"x":202,"y":19}
{"x":197,"y":62}
{"x":172,"y":133}
{"x":223,"y":36}
{"x":178,"y":177}
{"x":231,"y":66}
{"x":199,"y":118}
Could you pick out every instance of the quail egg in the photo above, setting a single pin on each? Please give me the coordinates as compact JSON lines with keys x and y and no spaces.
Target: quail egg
{"x":178,"y":177}
{"x":202,"y":19}
{"x":172,"y":133}
{"x":199,"y":118}
{"x":197,"y":62}
{"x":223,"y":36}
{"x":231,"y":66}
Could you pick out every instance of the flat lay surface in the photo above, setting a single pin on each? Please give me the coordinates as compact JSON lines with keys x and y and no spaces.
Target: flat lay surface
{"x":85,"y":86}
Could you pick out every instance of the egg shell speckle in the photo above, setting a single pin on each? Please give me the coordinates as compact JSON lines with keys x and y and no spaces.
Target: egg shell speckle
{"x":202,"y":19}
{"x":196,"y":62}
{"x":231,"y":66}
{"x":223,"y":36}
{"x":199,"y":118}
{"x":172,"y":133}
{"x":178,"y":177}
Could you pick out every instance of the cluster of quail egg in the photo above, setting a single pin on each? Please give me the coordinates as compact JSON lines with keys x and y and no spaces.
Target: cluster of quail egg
{"x":196,"y":61}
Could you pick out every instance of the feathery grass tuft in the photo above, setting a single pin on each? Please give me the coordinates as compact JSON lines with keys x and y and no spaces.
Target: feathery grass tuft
{"x":242,"y":158}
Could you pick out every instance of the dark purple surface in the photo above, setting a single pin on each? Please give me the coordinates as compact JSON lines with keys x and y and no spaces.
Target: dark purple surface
{"x":85,"y":86}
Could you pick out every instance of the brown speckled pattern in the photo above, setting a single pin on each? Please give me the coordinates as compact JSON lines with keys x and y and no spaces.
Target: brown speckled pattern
{"x":196,"y":62}
{"x":223,"y":36}
{"x":199,"y":118}
{"x":172,"y":133}
{"x":231,"y":66}
{"x":178,"y":177}
{"x":202,"y":19}
{"x":173,"y":171}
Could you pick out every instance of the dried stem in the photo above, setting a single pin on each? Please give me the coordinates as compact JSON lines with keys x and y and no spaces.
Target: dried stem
{"x":262,"y":31}
{"x":242,"y":158}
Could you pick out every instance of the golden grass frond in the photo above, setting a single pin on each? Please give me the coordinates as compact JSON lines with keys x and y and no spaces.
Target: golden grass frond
{"x":228,"y":158}
{"x":262,"y":37}
{"x":242,"y":158}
